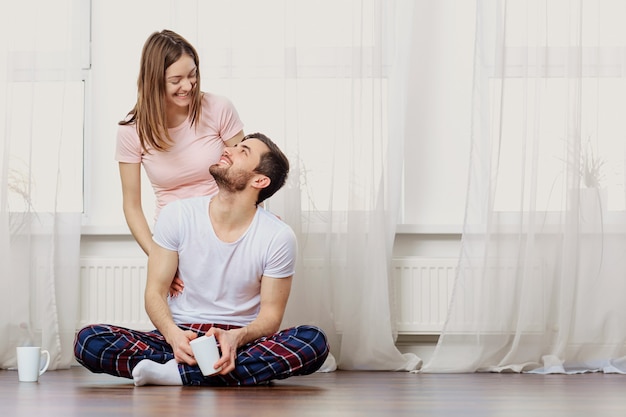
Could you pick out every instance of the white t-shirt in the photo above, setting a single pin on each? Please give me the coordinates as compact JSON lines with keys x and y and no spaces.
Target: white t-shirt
{"x":222,"y":280}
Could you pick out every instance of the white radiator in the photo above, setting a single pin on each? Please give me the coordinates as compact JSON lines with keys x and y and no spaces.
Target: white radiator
{"x":423,"y":287}
{"x":112,"y":292}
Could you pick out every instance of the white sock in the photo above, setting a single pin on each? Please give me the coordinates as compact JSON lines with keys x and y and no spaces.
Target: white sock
{"x":148,"y":372}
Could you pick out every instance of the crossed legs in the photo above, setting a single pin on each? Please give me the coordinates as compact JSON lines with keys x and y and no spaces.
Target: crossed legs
{"x":103,"y":348}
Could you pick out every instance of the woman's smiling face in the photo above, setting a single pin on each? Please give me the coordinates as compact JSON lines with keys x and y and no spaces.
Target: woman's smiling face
{"x":180,"y":82}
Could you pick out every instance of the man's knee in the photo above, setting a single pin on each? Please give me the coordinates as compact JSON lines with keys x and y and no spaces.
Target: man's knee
{"x":316,"y":339}
{"x":314,"y":348}
{"x":83,"y":339}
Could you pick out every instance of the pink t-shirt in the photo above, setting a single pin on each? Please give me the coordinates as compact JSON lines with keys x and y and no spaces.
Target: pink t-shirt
{"x":183,"y":170}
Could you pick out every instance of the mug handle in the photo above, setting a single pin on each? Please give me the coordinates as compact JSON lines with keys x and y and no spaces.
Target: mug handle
{"x":45,"y":368}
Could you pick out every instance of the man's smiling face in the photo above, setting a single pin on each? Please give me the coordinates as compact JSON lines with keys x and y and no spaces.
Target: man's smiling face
{"x":237,"y":164}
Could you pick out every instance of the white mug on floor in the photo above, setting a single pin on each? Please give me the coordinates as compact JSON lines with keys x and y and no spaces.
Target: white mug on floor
{"x":206,"y":353}
{"x":29,"y":363}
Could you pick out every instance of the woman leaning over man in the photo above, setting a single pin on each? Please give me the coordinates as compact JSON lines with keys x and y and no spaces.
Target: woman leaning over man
{"x":175,"y":130}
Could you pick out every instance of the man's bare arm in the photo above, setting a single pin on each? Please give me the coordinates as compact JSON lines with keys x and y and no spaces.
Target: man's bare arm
{"x":162,"y":266}
{"x":274,"y":296}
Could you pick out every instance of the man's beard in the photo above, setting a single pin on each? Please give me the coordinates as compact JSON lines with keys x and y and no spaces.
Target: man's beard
{"x":228,"y":179}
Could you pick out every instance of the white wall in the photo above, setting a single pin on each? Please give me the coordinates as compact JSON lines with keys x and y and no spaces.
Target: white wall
{"x":438,"y":129}
{"x":437,"y":145}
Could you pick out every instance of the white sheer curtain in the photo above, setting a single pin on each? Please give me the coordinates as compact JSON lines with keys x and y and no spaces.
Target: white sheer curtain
{"x":324,"y":79}
{"x":40,"y":189}
{"x":347,"y":237}
{"x":542,"y":272}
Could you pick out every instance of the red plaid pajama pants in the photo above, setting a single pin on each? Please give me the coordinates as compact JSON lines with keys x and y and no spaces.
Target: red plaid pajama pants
{"x":114,"y":350}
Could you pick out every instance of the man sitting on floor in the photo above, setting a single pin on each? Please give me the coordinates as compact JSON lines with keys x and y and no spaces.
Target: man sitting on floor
{"x":237,"y":262}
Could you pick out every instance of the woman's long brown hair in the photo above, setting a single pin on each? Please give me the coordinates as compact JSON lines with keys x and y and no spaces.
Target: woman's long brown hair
{"x":160,"y":51}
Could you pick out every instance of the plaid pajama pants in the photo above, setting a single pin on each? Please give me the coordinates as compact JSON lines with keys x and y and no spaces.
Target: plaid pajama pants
{"x":114,"y":350}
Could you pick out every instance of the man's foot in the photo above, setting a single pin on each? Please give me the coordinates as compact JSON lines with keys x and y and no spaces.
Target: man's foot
{"x":148,"y":372}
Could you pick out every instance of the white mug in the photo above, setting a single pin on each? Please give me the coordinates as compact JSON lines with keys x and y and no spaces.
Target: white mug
{"x":206,"y":353}
{"x":29,"y":363}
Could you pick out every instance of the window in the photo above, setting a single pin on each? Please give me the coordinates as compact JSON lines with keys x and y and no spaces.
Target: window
{"x":44,"y":112}
{"x":541,"y":67}
{"x":601,"y":147}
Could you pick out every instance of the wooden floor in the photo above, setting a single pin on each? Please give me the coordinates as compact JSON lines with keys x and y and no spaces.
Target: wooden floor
{"x":76,"y":392}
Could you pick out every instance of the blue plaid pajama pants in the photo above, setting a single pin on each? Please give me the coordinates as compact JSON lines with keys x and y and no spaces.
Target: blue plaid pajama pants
{"x":114,"y":350}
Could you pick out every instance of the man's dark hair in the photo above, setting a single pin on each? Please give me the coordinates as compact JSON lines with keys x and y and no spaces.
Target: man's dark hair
{"x":273,"y":164}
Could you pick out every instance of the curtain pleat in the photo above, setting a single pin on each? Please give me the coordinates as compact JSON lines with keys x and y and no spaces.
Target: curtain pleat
{"x":542,"y":273}
{"x":39,"y":243}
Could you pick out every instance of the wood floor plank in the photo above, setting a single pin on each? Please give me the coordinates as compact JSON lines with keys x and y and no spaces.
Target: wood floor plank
{"x":77,"y":392}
